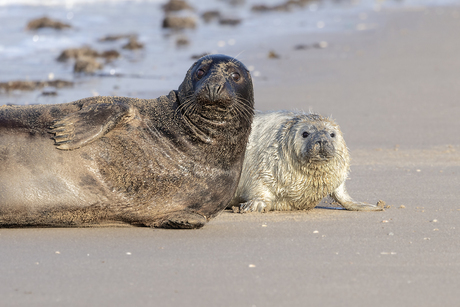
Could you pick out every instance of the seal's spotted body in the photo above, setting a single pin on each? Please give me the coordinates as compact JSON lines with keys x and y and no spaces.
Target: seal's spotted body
{"x":170,"y":162}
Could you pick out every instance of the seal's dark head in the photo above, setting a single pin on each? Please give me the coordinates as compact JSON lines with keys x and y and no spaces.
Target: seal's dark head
{"x":216,"y":92}
{"x":218,"y":83}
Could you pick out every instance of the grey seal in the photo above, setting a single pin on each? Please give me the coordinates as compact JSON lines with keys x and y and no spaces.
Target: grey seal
{"x":171,"y":162}
{"x":294,"y":160}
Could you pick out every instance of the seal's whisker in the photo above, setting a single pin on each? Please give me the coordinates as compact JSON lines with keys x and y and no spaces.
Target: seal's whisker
{"x":242,"y":109}
{"x":246,"y":104}
{"x":235,"y":57}
{"x":339,"y":154}
{"x":247,"y":111}
{"x":186,"y":104}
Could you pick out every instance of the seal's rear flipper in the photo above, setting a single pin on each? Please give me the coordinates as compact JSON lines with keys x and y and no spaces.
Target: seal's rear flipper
{"x":342,"y":197}
{"x":87,"y":125}
{"x":183,"y":220}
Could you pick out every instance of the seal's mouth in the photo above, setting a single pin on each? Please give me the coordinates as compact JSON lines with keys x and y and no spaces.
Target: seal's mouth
{"x":319,"y":158}
{"x":320,"y":152}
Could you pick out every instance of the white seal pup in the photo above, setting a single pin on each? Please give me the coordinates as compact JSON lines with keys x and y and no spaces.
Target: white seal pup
{"x":293,"y":160}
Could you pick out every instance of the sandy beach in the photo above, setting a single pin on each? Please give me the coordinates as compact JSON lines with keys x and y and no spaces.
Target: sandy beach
{"x":393,"y":87}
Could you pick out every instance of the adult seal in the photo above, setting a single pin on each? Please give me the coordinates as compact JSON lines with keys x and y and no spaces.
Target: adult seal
{"x":294,"y":160}
{"x":171,"y":162}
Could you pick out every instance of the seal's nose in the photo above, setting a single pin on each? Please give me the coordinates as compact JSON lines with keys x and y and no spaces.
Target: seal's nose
{"x":214,"y":91}
{"x":322,"y":142}
{"x":321,"y":139}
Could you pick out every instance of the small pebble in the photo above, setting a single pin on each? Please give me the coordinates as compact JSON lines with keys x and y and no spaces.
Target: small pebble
{"x":385,"y":221}
{"x":128,"y":253}
{"x":179,"y":23}
{"x":57,"y":252}
{"x":316,"y":231}
{"x":273,"y":55}
{"x":252,"y":265}
{"x":46,"y":22}
{"x":133,"y":44}
{"x":391,"y":234}
{"x":381,"y":204}
{"x":229,"y":21}
{"x":182,"y":41}
{"x":402,"y":207}
{"x":434,"y":221}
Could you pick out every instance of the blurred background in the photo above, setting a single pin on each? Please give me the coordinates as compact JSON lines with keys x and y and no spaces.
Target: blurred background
{"x":64,"y":50}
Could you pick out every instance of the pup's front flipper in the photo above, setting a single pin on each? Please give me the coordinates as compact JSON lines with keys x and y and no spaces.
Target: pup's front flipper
{"x":253,"y":205}
{"x":87,"y":125}
{"x":341,"y":196}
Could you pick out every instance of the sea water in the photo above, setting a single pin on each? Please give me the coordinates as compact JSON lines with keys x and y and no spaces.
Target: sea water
{"x":161,"y":65}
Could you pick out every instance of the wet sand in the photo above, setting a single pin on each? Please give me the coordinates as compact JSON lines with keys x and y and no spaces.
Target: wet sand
{"x":395,"y":93}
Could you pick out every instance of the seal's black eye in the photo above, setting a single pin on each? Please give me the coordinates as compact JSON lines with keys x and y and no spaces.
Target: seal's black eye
{"x":305,"y":134}
{"x":332,"y":134}
{"x":236,"y":76}
{"x":200,"y":73}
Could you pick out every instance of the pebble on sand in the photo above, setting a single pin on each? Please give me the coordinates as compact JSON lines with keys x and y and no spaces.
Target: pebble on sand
{"x":46,"y":22}
{"x":273,"y":55}
{"x":87,"y":65}
{"x":86,"y":53}
{"x":133,"y":44}
{"x":209,"y":16}
{"x":176,"y":5}
{"x":285,"y":6}
{"x":110,"y":55}
{"x":76,"y":53}
{"x":229,"y":21}
{"x":382,"y":204}
{"x":179,"y":23}
{"x":111,"y":38}
{"x":182,"y":41}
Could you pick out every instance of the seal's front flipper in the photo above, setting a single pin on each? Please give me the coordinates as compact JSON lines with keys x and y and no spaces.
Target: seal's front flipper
{"x":183,"y":220}
{"x":341,"y":196}
{"x":87,"y":125}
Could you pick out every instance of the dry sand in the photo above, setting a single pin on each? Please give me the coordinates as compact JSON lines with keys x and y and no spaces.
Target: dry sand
{"x":395,"y":92}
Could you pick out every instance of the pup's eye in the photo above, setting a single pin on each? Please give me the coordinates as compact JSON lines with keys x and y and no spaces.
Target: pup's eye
{"x":305,"y":134}
{"x":236,"y":76}
{"x":332,"y":134}
{"x":200,"y":73}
